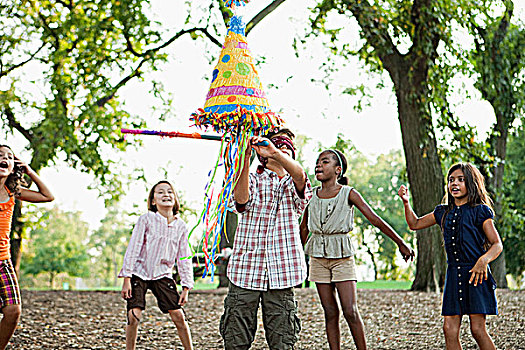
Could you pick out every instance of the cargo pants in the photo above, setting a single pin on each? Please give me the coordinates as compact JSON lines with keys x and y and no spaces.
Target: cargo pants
{"x":279,"y":313}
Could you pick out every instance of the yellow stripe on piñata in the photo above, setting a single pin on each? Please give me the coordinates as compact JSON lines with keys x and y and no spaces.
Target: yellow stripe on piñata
{"x":236,"y":99}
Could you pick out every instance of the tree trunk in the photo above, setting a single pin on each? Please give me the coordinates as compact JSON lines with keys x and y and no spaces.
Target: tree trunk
{"x":495,"y":184}
{"x":424,"y":175}
{"x":17,"y":227}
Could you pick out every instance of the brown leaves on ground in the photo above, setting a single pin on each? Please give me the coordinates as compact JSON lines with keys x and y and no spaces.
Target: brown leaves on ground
{"x":393,"y":320}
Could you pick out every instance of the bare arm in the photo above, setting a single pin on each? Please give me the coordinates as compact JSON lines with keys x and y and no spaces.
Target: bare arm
{"x":480,"y":271}
{"x":414,"y":222}
{"x":377,"y":221}
{"x":304,"y":227}
{"x":293,"y":168}
{"x":42,"y":195}
{"x":241,"y":192}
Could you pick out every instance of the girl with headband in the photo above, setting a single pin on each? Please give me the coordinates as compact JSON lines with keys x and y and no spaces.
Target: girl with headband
{"x":329,"y":219}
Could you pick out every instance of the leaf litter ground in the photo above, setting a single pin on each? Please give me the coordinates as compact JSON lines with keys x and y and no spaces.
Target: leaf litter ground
{"x":393,"y":320}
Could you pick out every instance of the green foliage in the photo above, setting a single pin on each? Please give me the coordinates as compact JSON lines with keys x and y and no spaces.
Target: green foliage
{"x":108,"y":245}
{"x":512,"y":222}
{"x":497,"y":62}
{"x":62,"y":66}
{"x":57,"y":244}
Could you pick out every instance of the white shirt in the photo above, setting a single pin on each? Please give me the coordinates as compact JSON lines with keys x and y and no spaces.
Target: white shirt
{"x":154,"y":248}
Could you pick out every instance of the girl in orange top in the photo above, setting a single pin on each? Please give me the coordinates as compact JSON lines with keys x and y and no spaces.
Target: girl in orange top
{"x":11,"y":170}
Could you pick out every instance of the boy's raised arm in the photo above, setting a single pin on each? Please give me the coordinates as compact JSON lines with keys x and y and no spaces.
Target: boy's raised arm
{"x":241,"y":191}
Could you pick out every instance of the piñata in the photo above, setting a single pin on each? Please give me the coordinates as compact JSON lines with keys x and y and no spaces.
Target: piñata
{"x":236,"y":107}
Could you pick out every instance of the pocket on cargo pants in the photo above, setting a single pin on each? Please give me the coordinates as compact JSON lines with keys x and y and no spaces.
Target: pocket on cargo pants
{"x":239,"y":321}
{"x":281,"y":323}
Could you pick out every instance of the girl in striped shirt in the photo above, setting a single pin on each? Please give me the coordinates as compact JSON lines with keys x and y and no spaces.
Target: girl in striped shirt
{"x":11,"y":171}
{"x":159,"y":240}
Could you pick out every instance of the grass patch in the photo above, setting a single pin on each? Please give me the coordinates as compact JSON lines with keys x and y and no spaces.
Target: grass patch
{"x":384,"y":284}
{"x":207,"y":283}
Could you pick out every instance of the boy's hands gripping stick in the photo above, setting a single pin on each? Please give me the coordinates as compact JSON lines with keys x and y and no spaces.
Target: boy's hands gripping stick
{"x":262,"y":143}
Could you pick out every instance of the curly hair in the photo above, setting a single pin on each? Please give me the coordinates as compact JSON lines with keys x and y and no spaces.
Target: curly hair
{"x":15,"y":179}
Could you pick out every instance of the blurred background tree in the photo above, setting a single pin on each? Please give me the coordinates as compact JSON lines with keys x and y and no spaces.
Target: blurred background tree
{"x":57,"y":245}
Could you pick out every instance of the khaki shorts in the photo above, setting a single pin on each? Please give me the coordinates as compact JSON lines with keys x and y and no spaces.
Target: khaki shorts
{"x":323,"y":270}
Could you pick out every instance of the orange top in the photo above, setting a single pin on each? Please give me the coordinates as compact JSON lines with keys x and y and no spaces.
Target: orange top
{"x":6,"y":216}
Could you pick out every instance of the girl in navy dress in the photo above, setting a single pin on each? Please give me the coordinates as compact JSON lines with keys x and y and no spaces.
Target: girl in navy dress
{"x":471,"y":243}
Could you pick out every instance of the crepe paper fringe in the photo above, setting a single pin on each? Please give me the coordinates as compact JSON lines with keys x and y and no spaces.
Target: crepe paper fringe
{"x":222,"y":122}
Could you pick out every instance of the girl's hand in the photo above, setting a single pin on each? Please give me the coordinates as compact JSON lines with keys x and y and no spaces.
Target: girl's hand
{"x":26,"y":169}
{"x":406,"y":252}
{"x":183,"y":297}
{"x":403,"y":193}
{"x":126,"y":288}
{"x":479,"y":271}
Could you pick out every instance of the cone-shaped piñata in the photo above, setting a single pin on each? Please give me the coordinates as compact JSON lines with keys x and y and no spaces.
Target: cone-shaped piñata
{"x":236,"y":106}
{"x":236,"y":96}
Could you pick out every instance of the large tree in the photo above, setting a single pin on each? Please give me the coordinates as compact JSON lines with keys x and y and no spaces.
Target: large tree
{"x":63,"y":65}
{"x":496,"y":62}
{"x":499,"y":59}
{"x":402,"y":38}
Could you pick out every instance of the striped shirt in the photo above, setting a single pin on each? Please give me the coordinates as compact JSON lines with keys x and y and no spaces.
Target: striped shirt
{"x":6,"y":217}
{"x":154,"y":248}
{"x":267,"y":250}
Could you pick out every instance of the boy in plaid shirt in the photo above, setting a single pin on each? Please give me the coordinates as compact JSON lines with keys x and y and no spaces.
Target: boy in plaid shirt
{"x":267,"y":259}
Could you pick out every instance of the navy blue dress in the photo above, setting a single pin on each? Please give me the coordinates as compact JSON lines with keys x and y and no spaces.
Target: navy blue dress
{"x":464,"y":238}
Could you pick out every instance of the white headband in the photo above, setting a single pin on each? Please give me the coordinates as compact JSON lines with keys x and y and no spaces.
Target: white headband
{"x":339,"y":159}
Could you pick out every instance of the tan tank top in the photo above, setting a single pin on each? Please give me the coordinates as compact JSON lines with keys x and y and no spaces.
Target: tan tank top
{"x":330,"y":220}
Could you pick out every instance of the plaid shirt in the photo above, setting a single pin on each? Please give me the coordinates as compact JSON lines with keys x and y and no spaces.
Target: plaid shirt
{"x":154,"y":248}
{"x":267,"y":250}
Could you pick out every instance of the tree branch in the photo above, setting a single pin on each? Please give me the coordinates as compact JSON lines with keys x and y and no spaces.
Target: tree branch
{"x":149,"y":52}
{"x":425,"y":33}
{"x":261,"y":15}
{"x":48,"y":28}
{"x":136,"y":72}
{"x":147,"y":55}
{"x":375,"y":33}
{"x":14,"y":124}
{"x":503,"y":26}
{"x":18,"y":65}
